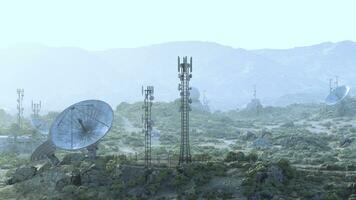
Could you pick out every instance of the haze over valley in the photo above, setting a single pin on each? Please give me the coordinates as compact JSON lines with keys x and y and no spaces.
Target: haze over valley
{"x":60,"y":76}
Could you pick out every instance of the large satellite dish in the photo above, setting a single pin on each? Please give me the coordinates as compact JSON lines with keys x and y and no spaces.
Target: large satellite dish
{"x":79,"y":126}
{"x":337,"y":95}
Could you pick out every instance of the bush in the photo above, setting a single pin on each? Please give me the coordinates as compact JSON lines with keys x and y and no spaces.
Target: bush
{"x":252,"y":157}
{"x":111,"y":165}
{"x":240,"y":157}
{"x":235,"y":156}
{"x":286,"y":168}
{"x":180,"y":180}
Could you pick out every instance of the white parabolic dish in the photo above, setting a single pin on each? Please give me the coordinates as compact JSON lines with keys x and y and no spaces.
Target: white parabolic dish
{"x":337,"y":95}
{"x":81,"y":125}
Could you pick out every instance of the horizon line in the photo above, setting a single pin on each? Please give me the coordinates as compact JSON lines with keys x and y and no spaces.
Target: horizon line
{"x":34,"y":44}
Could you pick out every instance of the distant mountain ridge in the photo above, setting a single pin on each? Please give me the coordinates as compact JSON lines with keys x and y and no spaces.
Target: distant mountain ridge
{"x":61,"y":76}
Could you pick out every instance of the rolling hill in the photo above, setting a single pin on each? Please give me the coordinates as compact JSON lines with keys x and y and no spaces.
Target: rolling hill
{"x":61,"y":76}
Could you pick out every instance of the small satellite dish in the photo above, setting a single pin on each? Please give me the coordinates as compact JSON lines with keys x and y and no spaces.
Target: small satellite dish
{"x":337,"y":95}
{"x":79,"y":126}
{"x":40,"y":125}
{"x":45,"y":150}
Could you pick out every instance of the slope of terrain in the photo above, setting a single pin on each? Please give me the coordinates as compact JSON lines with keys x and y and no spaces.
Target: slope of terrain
{"x":59,"y":76}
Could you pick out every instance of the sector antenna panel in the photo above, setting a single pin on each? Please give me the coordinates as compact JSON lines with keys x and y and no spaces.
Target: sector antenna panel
{"x":337,"y":95}
{"x":81,"y":125}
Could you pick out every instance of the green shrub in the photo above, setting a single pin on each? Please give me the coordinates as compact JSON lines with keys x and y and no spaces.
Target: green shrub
{"x":235,"y":156}
{"x":180,"y":180}
{"x":252,"y":157}
{"x":288,"y":171}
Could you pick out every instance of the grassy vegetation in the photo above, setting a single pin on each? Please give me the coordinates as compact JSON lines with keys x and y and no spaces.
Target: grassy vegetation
{"x":239,"y":145}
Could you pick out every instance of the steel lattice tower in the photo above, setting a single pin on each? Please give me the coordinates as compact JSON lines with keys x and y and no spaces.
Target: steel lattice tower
{"x":185,"y":70}
{"x":36,"y":107}
{"x":147,"y":122}
{"x":20,"y":109}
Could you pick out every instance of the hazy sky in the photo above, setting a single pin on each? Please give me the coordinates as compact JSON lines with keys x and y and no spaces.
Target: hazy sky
{"x":107,"y":24}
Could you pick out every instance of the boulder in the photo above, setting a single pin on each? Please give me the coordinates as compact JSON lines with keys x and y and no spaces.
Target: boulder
{"x":261,"y":143}
{"x":22,"y":174}
{"x":345,"y":142}
{"x":72,"y":158}
{"x":94,"y":177}
{"x":249,"y":136}
{"x":63,"y":182}
{"x":275,"y":173}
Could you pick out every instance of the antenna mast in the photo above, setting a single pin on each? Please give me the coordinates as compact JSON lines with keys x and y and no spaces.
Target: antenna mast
{"x":147,"y":122}
{"x":36,"y":108}
{"x":330,"y":85}
{"x":205,"y":100}
{"x":185,"y":70}
{"x":254,"y":92}
{"x":20,"y":109}
{"x":336,"y":81}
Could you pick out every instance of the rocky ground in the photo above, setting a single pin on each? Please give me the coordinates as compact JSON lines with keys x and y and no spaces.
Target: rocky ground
{"x":240,"y":176}
{"x":296,"y":152}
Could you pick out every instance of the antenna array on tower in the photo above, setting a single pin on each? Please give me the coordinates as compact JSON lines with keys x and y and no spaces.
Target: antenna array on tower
{"x":333,"y":84}
{"x":147,"y":122}
{"x":185,"y":70}
{"x":36,"y":108}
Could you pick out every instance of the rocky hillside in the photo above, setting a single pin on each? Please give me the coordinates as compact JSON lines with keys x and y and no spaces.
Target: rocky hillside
{"x":239,"y":177}
{"x":60,"y":76}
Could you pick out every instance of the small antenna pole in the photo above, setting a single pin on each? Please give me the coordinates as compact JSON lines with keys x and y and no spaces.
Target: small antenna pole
{"x":20,"y":109}
{"x":36,"y":108}
{"x":205,"y":101}
{"x":330,"y":85}
{"x":147,"y":123}
{"x":336,"y":81}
